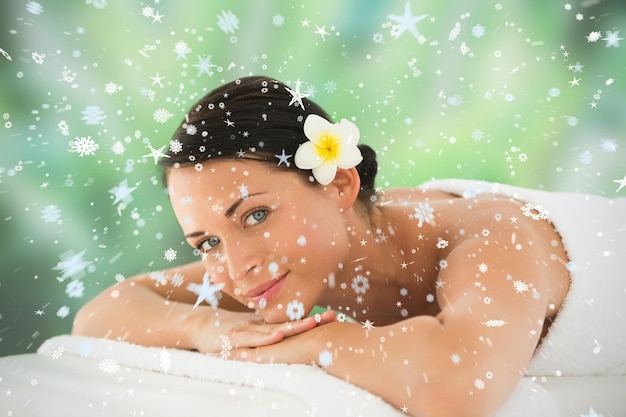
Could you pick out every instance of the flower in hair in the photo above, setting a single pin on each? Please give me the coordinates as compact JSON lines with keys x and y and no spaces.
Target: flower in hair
{"x":330,"y":145}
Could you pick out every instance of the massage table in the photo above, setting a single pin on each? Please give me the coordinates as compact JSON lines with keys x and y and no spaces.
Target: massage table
{"x":78,"y":376}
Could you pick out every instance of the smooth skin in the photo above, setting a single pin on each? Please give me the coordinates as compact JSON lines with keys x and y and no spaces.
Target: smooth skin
{"x":451,"y":295}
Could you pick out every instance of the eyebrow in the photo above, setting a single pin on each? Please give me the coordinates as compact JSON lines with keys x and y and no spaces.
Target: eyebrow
{"x":229,"y":213}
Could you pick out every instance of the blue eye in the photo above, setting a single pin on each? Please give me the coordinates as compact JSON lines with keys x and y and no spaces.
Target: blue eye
{"x":255,"y":217}
{"x":208,"y":244}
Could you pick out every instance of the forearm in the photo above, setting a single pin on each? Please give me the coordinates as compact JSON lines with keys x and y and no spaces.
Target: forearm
{"x":132,"y":312}
{"x":407,"y":364}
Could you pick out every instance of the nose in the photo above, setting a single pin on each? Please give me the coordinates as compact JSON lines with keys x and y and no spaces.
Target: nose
{"x":243,"y":260}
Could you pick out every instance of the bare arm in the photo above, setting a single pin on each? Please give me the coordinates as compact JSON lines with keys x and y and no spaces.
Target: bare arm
{"x":160,"y":312}
{"x":465,"y":361}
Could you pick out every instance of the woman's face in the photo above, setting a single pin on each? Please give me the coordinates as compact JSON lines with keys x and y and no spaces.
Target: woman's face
{"x":274,"y":241}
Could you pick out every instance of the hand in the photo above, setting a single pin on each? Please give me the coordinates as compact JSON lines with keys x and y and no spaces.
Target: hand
{"x":216,"y":331}
{"x":304,"y":348}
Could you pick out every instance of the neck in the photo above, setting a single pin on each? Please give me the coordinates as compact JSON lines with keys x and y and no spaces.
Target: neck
{"x":371,"y":273}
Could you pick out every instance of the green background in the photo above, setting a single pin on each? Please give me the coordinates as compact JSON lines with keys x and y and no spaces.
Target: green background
{"x":508,"y":103}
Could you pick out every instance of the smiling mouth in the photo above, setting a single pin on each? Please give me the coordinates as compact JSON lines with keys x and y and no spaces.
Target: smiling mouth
{"x":268,"y":290}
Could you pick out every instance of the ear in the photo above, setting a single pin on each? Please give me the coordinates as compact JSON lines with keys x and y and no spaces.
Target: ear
{"x":346,"y":185}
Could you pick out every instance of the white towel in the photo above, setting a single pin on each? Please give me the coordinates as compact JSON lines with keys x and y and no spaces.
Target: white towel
{"x":322,"y":394}
{"x":589,"y":334}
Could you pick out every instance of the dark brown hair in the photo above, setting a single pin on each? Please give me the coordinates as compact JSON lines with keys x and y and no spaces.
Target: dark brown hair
{"x":252,"y":118}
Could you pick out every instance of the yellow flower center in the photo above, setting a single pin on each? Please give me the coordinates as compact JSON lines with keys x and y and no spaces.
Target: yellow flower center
{"x":328,"y":147}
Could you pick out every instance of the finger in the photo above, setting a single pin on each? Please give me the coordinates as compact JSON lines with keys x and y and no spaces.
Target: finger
{"x":252,"y":338}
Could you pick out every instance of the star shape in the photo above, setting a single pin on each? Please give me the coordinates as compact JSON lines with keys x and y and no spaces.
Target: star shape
{"x":157,"y":80}
{"x":407,"y":22}
{"x":283,"y":158}
{"x":156,"y":153}
{"x":297,"y":95}
{"x":574,"y":82}
{"x":205,"y":291}
{"x":122,"y":192}
{"x":321,"y":31}
{"x":592,"y":413}
{"x":622,"y":183}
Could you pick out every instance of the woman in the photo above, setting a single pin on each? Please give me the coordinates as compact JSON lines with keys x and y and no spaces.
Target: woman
{"x":436,"y":299}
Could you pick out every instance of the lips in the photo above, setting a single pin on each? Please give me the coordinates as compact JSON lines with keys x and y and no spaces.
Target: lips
{"x":267,"y":290}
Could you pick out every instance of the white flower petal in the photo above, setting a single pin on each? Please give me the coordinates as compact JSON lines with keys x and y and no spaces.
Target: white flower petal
{"x":306,"y":156}
{"x":325,"y":173}
{"x":316,"y":127}
{"x":347,"y":131}
{"x":349,"y":156}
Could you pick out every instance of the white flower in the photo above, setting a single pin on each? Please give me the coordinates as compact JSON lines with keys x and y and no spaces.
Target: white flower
{"x":330,"y":146}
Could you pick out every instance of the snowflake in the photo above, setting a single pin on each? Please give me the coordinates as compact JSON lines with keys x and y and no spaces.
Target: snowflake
{"x":84,"y":146}
{"x":206,"y":291}
{"x":477,"y":135}
{"x":72,"y":265}
{"x":243,"y":192}
{"x":38,"y":58}
{"x":330,"y":86}
{"x":34,"y":8}
{"x":75,"y":289}
{"x":170,"y":255}
{"x":609,"y":145}
{"x":122,"y":192}
{"x":177,"y":279}
{"x":226,"y":347}
{"x":58,"y":352}
{"x":325,"y":359}
{"x":295,"y":310}
{"x":158,"y":277}
{"x":165,"y":360}
{"x":455,"y":358}
{"x":455,"y":100}
{"x":92,"y":115}
{"x":204,"y":66}
{"x":535,"y":212}
{"x":368,"y":324}
{"x":482,"y":268}
{"x":572,"y":121}
{"x":592,"y":413}
{"x":176,"y":146}
{"x":377,"y":38}
{"x":147,"y":11}
{"x":109,"y":366}
{"x":479,"y":383}
{"x":594,"y":36}
{"x":278,"y":20}
{"x":520,"y":286}
{"x":612,"y":38}
{"x":423,"y":213}
{"x":182,"y":49}
{"x":111,"y":88}
{"x":585,"y":158}
{"x":360,"y":284}
{"x":63,"y":312}
{"x":118,"y":148}
{"x":161,"y":115}
{"x":478,"y":31}
{"x":441,"y":243}
{"x":228,"y":22}
{"x":494,"y":323}
{"x":259,"y":385}
{"x":454,"y":33}
{"x":443,"y":264}
{"x":191,"y":130}
{"x":51,"y":214}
